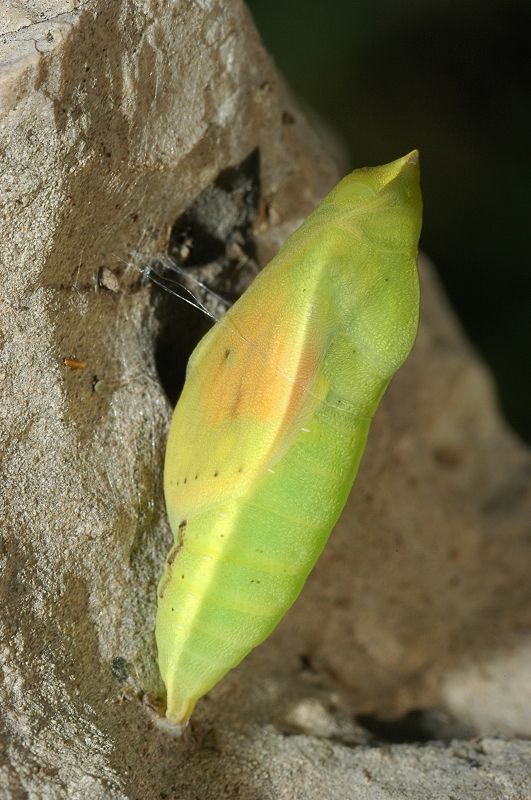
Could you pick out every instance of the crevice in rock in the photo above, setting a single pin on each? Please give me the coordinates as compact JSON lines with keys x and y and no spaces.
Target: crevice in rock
{"x":417,"y":726}
{"x":210,"y":260}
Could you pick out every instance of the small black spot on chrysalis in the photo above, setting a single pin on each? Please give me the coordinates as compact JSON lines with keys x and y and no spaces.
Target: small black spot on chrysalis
{"x":241,"y":469}
{"x":227,"y":354}
{"x":216,"y":473}
{"x":185,"y":480}
{"x":182,"y":525}
{"x":196,"y":477}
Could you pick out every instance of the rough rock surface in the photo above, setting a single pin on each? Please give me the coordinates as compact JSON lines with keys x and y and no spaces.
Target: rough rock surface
{"x":115,"y":117}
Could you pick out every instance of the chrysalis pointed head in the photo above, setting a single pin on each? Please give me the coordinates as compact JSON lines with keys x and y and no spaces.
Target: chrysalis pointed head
{"x":374,"y":218}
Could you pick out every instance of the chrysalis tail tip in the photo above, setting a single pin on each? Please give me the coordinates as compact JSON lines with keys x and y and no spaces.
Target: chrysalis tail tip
{"x":412,"y":158}
{"x":174,"y":729}
{"x":178,"y":713}
{"x":154,"y":706}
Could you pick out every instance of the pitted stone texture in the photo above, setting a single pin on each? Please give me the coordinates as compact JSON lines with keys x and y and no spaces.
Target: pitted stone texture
{"x":114,"y":118}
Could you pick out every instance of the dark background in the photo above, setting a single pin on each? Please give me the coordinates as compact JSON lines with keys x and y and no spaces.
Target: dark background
{"x":450,"y":78}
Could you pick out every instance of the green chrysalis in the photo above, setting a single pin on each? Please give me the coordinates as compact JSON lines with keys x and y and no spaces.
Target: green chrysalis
{"x":268,"y":434}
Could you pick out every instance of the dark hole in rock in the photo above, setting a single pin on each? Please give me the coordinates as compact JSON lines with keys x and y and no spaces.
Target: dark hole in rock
{"x":306,"y":663}
{"x":211,"y":244}
{"x":420,"y":725}
{"x":181,"y":327}
{"x":120,"y":669}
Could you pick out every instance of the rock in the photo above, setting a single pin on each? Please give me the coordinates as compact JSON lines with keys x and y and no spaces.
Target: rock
{"x":118,"y":121}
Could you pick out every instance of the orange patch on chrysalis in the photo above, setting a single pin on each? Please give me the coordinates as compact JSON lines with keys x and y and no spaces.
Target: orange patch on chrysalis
{"x":263,"y":370}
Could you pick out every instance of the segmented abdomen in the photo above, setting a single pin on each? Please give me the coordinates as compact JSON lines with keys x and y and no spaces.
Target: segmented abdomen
{"x":239,"y":566}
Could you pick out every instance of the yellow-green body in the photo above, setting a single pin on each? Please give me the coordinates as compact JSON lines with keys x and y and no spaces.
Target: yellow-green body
{"x":272,"y":422}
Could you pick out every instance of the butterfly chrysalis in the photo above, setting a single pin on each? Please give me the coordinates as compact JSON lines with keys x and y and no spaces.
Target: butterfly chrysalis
{"x":270,"y":427}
